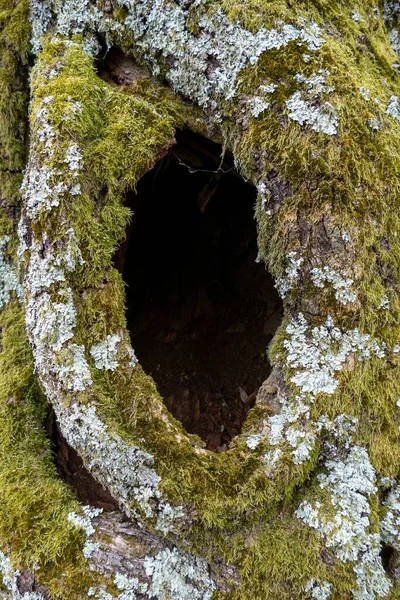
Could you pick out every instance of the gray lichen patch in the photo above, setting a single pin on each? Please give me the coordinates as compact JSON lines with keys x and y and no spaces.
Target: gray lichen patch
{"x":170,"y":575}
{"x":343,"y":287}
{"x":393,"y":108}
{"x":9,"y":280}
{"x":199,"y":68}
{"x":350,"y":482}
{"x":104,"y":353}
{"x":318,"y":357}
{"x":321,"y":119}
{"x":127,"y":471}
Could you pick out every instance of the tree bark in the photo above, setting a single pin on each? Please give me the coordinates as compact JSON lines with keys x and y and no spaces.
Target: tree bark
{"x":304,"y":502}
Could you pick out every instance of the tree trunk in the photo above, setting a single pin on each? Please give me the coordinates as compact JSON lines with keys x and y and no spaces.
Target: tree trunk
{"x":200,"y":299}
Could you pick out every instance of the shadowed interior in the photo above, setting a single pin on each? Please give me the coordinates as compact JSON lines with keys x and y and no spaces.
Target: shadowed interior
{"x":200,"y":309}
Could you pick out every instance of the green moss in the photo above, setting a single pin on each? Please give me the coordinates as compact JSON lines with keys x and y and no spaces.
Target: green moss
{"x":14,"y":51}
{"x":346,"y":183}
{"x":34,"y":502}
{"x":279,"y":562}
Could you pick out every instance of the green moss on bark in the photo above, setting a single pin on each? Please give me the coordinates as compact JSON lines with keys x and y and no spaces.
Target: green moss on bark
{"x":337,"y":207}
{"x":34,"y":503}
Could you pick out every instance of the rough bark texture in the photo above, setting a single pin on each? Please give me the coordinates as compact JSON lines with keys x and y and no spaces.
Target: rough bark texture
{"x":305,"y":502}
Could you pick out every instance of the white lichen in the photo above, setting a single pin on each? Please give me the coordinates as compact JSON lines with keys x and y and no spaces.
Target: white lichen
{"x":71,"y":17}
{"x":318,"y":590}
{"x":315,"y":85}
{"x":261,"y":101}
{"x":129,"y":587}
{"x":105,"y":353}
{"x":292,"y":429}
{"x":201,"y":68}
{"x":270,"y":460}
{"x":178,"y":576}
{"x":390,"y":524}
{"x":42,"y":188}
{"x":308,"y":106}
{"x":345,"y":522}
{"x":345,"y":236}
{"x":128,"y":471}
{"x":258,"y":105}
{"x":391,"y":15}
{"x":365,"y":93}
{"x":132,"y":358}
{"x":317,"y":355}
{"x":386,"y":483}
{"x":374,"y":125}
{"x":49,"y":259}
{"x":394,"y":39}
{"x":84,"y":521}
{"x":9,"y":281}
{"x":343,"y":292}
{"x":50,"y":310}
{"x":393,"y":108}
{"x":292,"y":411}
{"x":174,"y":575}
{"x":90,"y":548}
{"x":301,"y":441}
{"x":253,"y":441}
{"x":384,"y":303}
{"x":101,"y":594}
{"x":321,"y":118}
{"x":288,"y":281}
{"x":198,"y":67}
{"x":73,"y":158}
{"x":263,"y":193}
{"x":40,"y":17}
{"x":50,"y":325}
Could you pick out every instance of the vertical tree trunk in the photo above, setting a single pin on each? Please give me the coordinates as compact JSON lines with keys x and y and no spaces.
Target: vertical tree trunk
{"x":104,"y":493}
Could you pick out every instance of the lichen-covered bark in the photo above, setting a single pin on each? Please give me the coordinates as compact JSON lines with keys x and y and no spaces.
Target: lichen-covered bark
{"x":305,"y":502}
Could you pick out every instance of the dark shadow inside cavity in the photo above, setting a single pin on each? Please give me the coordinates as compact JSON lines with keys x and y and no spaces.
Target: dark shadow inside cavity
{"x":200,"y":309}
{"x":71,"y":469}
{"x":390,"y":561}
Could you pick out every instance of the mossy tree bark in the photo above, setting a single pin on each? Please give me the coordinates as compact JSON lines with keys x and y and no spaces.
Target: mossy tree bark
{"x":305,"y":502}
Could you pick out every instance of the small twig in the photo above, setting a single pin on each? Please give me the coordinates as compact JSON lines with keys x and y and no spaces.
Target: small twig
{"x":192,"y":170}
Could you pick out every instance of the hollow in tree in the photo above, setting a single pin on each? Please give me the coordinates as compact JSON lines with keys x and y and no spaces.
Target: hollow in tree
{"x":257,"y":145}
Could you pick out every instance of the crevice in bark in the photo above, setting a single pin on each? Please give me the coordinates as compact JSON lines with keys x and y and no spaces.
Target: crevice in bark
{"x":200,"y":309}
{"x":118,"y":69}
{"x":71,"y":469}
{"x":27,"y":584}
{"x":391,"y":561}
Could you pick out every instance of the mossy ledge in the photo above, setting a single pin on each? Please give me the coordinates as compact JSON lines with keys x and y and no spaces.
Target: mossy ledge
{"x":307,"y":100}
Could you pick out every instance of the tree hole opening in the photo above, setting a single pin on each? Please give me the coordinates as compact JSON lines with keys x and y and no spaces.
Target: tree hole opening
{"x":201,"y":311}
{"x":390,"y":557}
